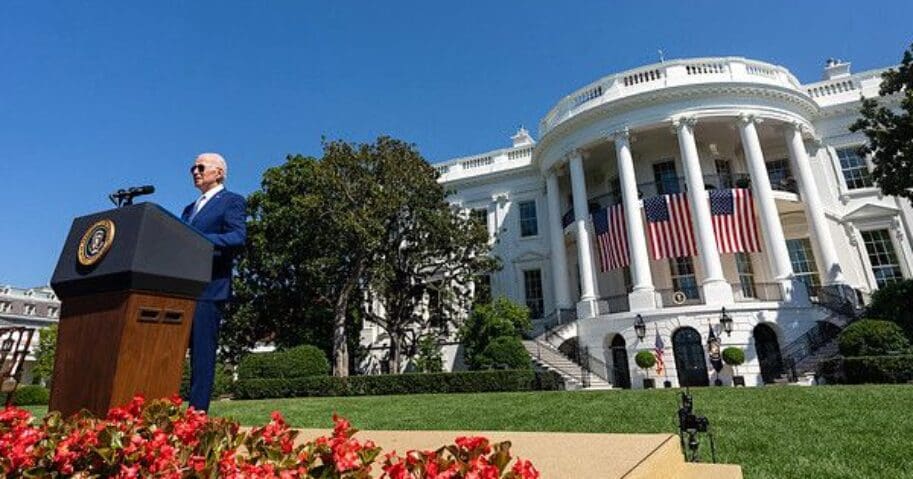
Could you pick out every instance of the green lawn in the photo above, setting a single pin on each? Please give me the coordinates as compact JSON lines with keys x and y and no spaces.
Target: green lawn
{"x":773,"y":432}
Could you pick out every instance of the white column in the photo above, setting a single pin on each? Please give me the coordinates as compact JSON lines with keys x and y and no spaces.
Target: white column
{"x":586,"y":308}
{"x":643,"y":295}
{"x":771,"y":229}
{"x":714,"y":286}
{"x":814,"y":212}
{"x":558,"y":249}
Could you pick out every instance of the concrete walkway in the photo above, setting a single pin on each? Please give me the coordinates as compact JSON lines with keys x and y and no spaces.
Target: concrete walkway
{"x":568,"y":455}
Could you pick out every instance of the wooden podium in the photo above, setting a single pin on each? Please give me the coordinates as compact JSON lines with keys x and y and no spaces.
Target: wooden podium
{"x":128,"y":280}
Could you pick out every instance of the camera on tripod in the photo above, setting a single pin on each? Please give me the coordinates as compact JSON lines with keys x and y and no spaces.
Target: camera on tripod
{"x":690,"y":425}
{"x":687,"y":420}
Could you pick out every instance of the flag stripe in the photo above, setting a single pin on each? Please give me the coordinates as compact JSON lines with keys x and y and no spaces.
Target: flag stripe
{"x":612,"y":237}
{"x":733,"y":219}
{"x":670,"y":226}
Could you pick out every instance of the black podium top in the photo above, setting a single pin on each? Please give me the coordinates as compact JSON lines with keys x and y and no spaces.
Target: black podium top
{"x":140,"y":247}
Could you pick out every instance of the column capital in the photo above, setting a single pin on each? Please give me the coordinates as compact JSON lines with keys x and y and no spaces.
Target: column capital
{"x":746,"y":118}
{"x":684,"y":121}
{"x":621,"y":134}
{"x":571,"y":153}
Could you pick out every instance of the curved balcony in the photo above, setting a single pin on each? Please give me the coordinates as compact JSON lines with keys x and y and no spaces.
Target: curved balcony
{"x":672,"y":73}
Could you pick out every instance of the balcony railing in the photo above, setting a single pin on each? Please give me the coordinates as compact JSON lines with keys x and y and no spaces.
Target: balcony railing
{"x":750,"y":291}
{"x":613,"y":304}
{"x":672,"y":73}
{"x":679,"y":185}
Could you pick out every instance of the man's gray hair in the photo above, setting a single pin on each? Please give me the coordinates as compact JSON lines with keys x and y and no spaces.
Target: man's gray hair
{"x":217,"y":160}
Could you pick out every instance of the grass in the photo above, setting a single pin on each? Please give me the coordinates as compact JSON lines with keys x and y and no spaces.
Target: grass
{"x":773,"y":432}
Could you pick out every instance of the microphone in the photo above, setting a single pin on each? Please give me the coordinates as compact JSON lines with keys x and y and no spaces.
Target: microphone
{"x":124,"y":197}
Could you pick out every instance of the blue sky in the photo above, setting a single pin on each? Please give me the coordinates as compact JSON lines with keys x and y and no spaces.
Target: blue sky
{"x":95,"y":96}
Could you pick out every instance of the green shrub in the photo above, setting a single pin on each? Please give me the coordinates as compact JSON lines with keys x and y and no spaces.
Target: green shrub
{"x":870,"y":337}
{"x":894,"y":302}
{"x":733,"y":356}
{"x":300,"y":361}
{"x":868,"y":369}
{"x":645,"y":359}
{"x":418,"y":383}
{"x":29,"y":395}
{"x":429,"y":359}
{"x":221,"y":385}
{"x":505,"y":352}
{"x":489,"y":322}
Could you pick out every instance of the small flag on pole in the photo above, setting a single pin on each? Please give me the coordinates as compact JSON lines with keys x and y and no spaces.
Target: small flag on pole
{"x":612,"y":237}
{"x":734,"y":225}
{"x":658,"y":349}
{"x":669,"y":226}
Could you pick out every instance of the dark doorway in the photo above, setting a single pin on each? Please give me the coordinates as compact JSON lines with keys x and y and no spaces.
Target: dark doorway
{"x":768,"y":349}
{"x":689,"y":358}
{"x":621,"y":375}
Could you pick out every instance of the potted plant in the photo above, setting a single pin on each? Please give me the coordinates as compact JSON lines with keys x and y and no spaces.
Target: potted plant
{"x":734,"y":357}
{"x":646,"y":360}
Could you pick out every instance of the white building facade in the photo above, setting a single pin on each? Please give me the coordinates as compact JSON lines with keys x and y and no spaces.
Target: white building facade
{"x":36,"y":308}
{"x":686,"y":128}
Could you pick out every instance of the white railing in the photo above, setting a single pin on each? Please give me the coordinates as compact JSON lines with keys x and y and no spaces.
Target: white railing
{"x":490,"y":162}
{"x":668,"y":74}
{"x":832,"y":88}
{"x":476,"y":162}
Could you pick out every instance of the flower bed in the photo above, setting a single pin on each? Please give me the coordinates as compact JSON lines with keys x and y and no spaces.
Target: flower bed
{"x":162,"y":439}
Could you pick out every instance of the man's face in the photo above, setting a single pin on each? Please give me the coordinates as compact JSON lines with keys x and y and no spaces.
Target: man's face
{"x":206,"y":175}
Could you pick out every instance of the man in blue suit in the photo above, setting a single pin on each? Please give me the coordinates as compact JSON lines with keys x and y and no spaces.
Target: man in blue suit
{"x":221,"y":216}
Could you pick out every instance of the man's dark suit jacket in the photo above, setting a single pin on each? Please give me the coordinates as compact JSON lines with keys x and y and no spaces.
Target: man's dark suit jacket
{"x":223,"y":221}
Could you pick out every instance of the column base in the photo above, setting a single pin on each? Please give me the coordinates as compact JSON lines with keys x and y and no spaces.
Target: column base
{"x":717,"y":292}
{"x":794,"y":292}
{"x":587,"y":308}
{"x":642,"y":299}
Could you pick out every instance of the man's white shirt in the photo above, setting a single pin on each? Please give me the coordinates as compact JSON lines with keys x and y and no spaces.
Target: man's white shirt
{"x":201,"y":202}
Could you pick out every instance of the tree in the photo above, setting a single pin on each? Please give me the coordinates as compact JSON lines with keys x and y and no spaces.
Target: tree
{"x":890,"y":132}
{"x":428,"y":256}
{"x":488,"y":322}
{"x":365,"y":221}
{"x":429,"y":358}
{"x":43,"y":371}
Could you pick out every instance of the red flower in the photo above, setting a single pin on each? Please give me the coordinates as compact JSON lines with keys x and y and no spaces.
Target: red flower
{"x":525,"y":470}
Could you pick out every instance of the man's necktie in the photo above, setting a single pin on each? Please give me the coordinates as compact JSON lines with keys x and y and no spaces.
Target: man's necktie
{"x":196,"y":208}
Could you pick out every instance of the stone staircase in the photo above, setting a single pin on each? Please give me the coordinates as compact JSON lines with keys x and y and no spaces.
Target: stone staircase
{"x":546,"y":356}
{"x":805,"y":369}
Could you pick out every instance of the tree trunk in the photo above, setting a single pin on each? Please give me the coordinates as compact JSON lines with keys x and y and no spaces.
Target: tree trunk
{"x":395,"y":352}
{"x":340,"y":345}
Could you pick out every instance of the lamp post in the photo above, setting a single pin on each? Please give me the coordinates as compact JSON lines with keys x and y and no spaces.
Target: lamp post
{"x":640,"y":328}
{"x":726,"y":322}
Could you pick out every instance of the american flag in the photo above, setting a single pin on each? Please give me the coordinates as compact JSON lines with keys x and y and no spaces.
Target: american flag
{"x":669,"y":225}
{"x":658,"y":348}
{"x":612,"y":236}
{"x":732,"y":214}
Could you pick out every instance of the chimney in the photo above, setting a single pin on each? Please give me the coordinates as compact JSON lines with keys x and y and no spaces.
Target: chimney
{"x":835,"y":68}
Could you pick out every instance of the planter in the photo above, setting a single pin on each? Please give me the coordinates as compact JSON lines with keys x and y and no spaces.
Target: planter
{"x":667,"y":384}
{"x":738,"y":381}
{"x":649,"y":383}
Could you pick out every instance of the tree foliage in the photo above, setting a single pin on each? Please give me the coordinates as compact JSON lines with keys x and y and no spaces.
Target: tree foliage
{"x":490,"y":321}
{"x":427,"y":257}
{"x":363,"y":222}
{"x":890,"y":132}
{"x":43,"y":371}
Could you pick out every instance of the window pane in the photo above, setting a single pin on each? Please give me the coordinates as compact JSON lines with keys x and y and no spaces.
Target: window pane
{"x":480,"y":215}
{"x":529,"y":226}
{"x":665,"y":177}
{"x":885,"y":266}
{"x":746,"y":275}
{"x":683,"y":277}
{"x":855,"y":170}
{"x":532,"y":282}
{"x":780,"y":175}
{"x":724,"y":173}
{"x":803,"y":261}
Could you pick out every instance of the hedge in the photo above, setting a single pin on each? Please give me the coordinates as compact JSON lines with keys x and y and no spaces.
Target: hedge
{"x":417,"y":383}
{"x":867,"y":369}
{"x":872,"y":337}
{"x":300,"y":361}
{"x":221,"y":386}
{"x":505,"y":352}
{"x":29,"y":395}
